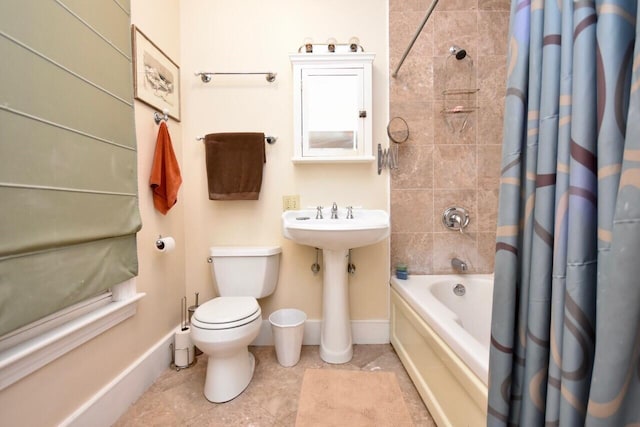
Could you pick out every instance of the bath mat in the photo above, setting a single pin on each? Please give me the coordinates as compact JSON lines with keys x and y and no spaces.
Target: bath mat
{"x":332,"y":397}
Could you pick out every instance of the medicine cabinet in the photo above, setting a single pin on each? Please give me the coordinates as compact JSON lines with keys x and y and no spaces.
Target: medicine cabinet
{"x":332,"y":107}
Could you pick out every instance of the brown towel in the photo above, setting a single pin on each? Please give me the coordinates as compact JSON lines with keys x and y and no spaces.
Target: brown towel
{"x":165,"y":177}
{"x":234,"y":165}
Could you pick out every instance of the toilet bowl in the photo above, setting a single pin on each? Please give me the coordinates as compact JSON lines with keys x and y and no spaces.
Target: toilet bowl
{"x":223,"y":327}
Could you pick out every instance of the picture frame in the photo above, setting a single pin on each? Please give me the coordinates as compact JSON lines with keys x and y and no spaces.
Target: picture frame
{"x":156,"y":77}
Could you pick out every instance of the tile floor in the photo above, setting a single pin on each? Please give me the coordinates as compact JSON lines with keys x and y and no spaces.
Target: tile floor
{"x":271,"y":399}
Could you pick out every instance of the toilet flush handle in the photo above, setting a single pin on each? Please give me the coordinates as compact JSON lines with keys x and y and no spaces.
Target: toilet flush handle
{"x":209,"y":259}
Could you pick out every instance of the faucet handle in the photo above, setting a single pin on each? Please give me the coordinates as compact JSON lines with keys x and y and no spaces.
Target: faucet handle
{"x":319,"y":212}
{"x":349,"y":212}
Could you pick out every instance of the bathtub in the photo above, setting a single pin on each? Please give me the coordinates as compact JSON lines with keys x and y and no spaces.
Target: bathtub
{"x":443,"y":342}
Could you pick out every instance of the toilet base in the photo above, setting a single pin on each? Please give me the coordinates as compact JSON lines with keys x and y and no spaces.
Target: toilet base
{"x":229,"y":375}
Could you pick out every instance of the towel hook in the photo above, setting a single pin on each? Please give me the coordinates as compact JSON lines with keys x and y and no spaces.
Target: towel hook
{"x":157,"y":117}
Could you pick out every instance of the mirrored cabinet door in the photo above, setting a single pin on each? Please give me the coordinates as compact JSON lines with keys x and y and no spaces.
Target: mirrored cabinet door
{"x":332,"y":108}
{"x":332,"y":100}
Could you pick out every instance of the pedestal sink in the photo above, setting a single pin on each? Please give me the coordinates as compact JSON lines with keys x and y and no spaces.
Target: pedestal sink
{"x":335,"y":237}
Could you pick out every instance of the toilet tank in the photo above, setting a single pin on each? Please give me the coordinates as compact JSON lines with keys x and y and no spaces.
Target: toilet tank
{"x":245,"y":270}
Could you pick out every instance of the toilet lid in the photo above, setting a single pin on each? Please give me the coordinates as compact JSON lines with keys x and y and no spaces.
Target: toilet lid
{"x":227,"y":312}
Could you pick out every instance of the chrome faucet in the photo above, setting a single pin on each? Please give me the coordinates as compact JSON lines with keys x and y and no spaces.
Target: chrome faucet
{"x":319,"y":212}
{"x":334,"y":211}
{"x":349,"y":212}
{"x":458,"y":265}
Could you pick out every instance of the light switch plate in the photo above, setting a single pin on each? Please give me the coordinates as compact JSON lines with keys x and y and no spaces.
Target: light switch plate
{"x":291,"y":203}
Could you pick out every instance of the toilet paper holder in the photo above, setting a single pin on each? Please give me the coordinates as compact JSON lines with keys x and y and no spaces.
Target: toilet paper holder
{"x":173,"y":358}
{"x":185,"y":341}
{"x":159,"y":242}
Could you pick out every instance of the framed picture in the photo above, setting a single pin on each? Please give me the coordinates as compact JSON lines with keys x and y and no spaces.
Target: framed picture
{"x":156,"y":78}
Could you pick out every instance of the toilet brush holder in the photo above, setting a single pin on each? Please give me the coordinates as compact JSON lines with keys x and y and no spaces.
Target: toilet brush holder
{"x":192,"y":309}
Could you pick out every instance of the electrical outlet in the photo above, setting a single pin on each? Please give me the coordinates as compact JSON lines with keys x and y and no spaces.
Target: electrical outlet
{"x":291,"y":203}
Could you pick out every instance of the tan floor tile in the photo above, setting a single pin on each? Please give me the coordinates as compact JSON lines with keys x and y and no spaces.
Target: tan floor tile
{"x":270,"y":400}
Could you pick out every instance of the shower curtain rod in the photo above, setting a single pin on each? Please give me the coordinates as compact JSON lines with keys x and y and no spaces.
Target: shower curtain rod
{"x":415,"y":36}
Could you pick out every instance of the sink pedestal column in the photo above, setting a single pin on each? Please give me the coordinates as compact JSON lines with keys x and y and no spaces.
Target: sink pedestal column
{"x":335,"y":335}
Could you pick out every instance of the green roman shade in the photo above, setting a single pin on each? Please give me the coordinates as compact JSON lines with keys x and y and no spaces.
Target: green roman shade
{"x":68,"y":179}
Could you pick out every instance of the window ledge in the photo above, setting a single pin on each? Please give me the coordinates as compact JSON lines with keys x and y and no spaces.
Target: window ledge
{"x":25,"y":358}
{"x":333,"y":159}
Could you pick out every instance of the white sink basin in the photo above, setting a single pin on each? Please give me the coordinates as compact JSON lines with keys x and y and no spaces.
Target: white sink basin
{"x":335,"y":237}
{"x":367,"y":227}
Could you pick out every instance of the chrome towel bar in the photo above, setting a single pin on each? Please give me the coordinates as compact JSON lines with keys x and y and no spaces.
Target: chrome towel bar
{"x":268,"y":139}
{"x":205,"y":76}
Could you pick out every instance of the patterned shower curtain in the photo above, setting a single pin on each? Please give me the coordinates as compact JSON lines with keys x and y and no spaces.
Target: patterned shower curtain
{"x":565,"y":337}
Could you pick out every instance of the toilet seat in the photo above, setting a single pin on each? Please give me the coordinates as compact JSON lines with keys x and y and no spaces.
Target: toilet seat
{"x":226,"y":313}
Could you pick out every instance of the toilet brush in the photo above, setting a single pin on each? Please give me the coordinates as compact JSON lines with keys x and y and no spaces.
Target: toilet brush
{"x":192,"y":310}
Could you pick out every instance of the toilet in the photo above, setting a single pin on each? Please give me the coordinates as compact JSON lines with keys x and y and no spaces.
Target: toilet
{"x":224,"y":327}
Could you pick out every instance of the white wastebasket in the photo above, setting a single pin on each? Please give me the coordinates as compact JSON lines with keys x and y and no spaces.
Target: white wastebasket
{"x":287,"y":325}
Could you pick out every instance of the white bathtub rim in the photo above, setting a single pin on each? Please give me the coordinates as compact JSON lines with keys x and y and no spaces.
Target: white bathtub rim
{"x":415,"y":291}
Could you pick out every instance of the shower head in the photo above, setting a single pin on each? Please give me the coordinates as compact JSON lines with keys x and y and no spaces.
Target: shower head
{"x":459,"y":52}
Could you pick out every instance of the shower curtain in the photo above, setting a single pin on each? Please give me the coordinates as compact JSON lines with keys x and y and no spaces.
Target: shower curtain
{"x":565,"y":337}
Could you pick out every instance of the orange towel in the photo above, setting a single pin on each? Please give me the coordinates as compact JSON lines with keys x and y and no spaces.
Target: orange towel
{"x":165,"y":177}
{"x":234,"y":165}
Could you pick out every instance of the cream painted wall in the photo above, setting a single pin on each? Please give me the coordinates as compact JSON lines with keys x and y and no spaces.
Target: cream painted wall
{"x":221,"y":35}
{"x":51,"y":394}
{"x":254,"y":35}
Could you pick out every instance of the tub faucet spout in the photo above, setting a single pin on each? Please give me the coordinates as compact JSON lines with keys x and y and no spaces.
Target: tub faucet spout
{"x":458,"y":265}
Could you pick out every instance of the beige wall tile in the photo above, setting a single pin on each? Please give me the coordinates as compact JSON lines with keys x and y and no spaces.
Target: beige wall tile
{"x":412,"y":211}
{"x":419,"y":117}
{"x":450,"y":245}
{"x":455,"y":28}
{"x":414,"y":250}
{"x":414,"y":80}
{"x":487,"y":210}
{"x":486,"y":252}
{"x":415,"y":167}
{"x":494,"y":5}
{"x":489,"y":157}
{"x":491,"y":76}
{"x":461,"y":168}
{"x":466,"y":5}
{"x":493,"y":26}
{"x":454,"y":166}
{"x":405,"y":5}
{"x":490,"y":119}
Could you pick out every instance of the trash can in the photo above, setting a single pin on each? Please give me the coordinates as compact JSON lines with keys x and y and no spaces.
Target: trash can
{"x":287,"y":325}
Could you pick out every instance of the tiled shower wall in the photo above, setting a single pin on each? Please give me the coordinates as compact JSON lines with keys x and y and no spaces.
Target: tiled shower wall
{"x":440,"y":167}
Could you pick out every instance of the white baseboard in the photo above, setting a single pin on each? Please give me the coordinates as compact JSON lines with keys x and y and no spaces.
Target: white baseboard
{"x":112,"y":401}
{"x":370,"y":331}
{"x":363,"y":331}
